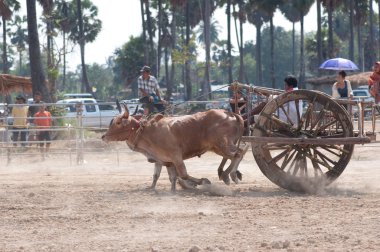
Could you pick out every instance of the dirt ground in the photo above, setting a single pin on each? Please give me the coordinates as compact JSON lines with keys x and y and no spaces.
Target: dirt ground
{"x":103,"y":205}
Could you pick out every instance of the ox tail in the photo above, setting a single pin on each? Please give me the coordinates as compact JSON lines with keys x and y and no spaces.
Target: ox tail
{"x":240,"y":122}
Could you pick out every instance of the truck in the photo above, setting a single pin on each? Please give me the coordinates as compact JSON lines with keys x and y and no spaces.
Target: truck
{"x":94,"y":113}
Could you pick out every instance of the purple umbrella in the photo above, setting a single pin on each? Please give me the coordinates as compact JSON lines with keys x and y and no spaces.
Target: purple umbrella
{"x":339,"y":64}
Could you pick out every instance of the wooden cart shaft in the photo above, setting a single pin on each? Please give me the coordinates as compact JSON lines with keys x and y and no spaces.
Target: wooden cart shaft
{"x":316,"y":141}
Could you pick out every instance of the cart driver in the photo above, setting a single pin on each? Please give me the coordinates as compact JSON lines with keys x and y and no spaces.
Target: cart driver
{"x":150,"y":92}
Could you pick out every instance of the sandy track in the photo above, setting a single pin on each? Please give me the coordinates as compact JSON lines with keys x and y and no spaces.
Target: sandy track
{"x":100,"y":206}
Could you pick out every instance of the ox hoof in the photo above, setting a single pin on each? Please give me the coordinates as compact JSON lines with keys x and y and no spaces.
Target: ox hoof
{"x":205,"y":181}
{"x":186,"y":184}
{"x":239,"y":175}
{"x":234,"y":178}
{"x":226,"y":179}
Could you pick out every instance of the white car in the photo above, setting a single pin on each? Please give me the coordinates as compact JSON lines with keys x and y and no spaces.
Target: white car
{"x":94,"y":114}
{"x":362,"y":95}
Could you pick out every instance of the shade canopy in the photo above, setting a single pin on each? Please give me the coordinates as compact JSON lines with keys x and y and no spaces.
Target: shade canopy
{"x":11,"y":83}
{"x":339,"y":64}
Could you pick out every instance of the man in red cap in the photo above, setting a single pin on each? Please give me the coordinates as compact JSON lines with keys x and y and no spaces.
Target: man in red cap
{"x":373,"y":82}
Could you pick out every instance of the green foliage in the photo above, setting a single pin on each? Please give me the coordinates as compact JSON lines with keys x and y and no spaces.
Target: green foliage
{"x":311,"y":49}
{"x":101,"y":78}
{"x":128,"y":61}
{"x":91,"y":24}
{"x":283,"y":55}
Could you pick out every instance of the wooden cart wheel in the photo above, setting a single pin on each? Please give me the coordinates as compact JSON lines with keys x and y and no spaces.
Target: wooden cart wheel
{"x":303,"y":114}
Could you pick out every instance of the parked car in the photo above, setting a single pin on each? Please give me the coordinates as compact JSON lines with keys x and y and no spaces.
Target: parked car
{"x":77,"y":95}
{"x":94,"y":114}
{"x":362,"y":95}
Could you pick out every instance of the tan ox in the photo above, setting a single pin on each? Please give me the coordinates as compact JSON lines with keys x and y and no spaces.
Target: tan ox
{"x":170,"y":140}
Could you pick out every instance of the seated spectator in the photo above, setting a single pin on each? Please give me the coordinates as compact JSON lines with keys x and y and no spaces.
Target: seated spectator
{"x":342,"y":87}
{"x":238,"y":103}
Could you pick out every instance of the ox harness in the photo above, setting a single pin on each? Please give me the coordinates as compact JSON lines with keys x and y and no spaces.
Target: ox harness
{"x":140,"y":127}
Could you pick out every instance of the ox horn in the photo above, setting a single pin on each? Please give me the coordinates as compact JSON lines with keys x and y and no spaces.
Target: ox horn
{"x":137,"y":108}
{"x":126,"y":111}
{"x":118,"y":105}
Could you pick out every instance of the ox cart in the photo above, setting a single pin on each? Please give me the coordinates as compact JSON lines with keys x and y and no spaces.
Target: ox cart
{"x":302,"y":139}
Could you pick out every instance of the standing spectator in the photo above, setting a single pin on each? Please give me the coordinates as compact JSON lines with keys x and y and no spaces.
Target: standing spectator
{"x":342,"y":87}
{"x":43,"y":122}
{"x":149,"y":92}
{"x":20,"y":115}
{"x":373,"y":82}
{"x":33,"y":109}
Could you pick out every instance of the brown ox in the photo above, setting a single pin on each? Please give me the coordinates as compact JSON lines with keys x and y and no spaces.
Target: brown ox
{"x":170,"y":140}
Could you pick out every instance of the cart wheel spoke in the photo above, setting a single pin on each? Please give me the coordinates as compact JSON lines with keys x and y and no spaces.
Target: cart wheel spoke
{"x":299,"y":167}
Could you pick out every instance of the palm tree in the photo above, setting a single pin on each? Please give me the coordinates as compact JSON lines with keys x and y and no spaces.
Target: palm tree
{"x":242,"y":16}
{"x":319,"y":34}
{"x":352,"y":38}
{"x":361,"y":10}
{"x":229,"y":59}
{"x":146,"y":54}
{"x":63,"y":14}
{"x":269,"y":7}
{"x":207,"y":24}
{"x":371,"y":35}
{"x":38,"y":76}
{"x":303,"y":6}
{"x":85,"y":30}
{"x":257,"y":17}
{"x":330,"y":5}
{"x":378,"y":11}
{"x":150,"y":31}
{"x":19,"y":38}
{"x":292,"y":14}
{"x":9,"y":7}
{"x":47,"y":6}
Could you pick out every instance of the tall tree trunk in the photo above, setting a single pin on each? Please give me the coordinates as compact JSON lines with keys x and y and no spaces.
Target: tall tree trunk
{"x":149,"y":30}
{"x":166,"y":66}
{"x":351,"y":44}
{"x":146,"y":54}
{"x":64,"y":61}
{"x":173,"y":27}
{"x":259,"y":73}
{"x":189,"y":95}
{"x":273,"y":79}
{"x":229,"y":57}
{"x":378,"y":41}
{"x":236,"y":28}
{"x":50,"y":58}
{"x":241,"y":67}
{"x":206,"y":84}
{"x":330,"y":31}
{"x":5,"y":56}
{"x":359,"y":35}
{"x":20,"y":63}
{"x":319,"y":35}
{"x":371,"y":36}
{"x":302,"y":56}
{"x":159,"y":43}
{"x":85,"y":83}
{"x":293,"y":49}
{"x":38,"y":77}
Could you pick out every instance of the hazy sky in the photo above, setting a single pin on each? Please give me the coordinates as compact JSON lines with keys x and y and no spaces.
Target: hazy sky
{"x":123,"y":21}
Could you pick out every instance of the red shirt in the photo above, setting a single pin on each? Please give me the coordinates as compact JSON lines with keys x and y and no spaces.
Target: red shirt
{"x":43,"y":119}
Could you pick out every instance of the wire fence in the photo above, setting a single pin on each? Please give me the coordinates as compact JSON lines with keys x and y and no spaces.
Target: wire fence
{"x":73,"y":130}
